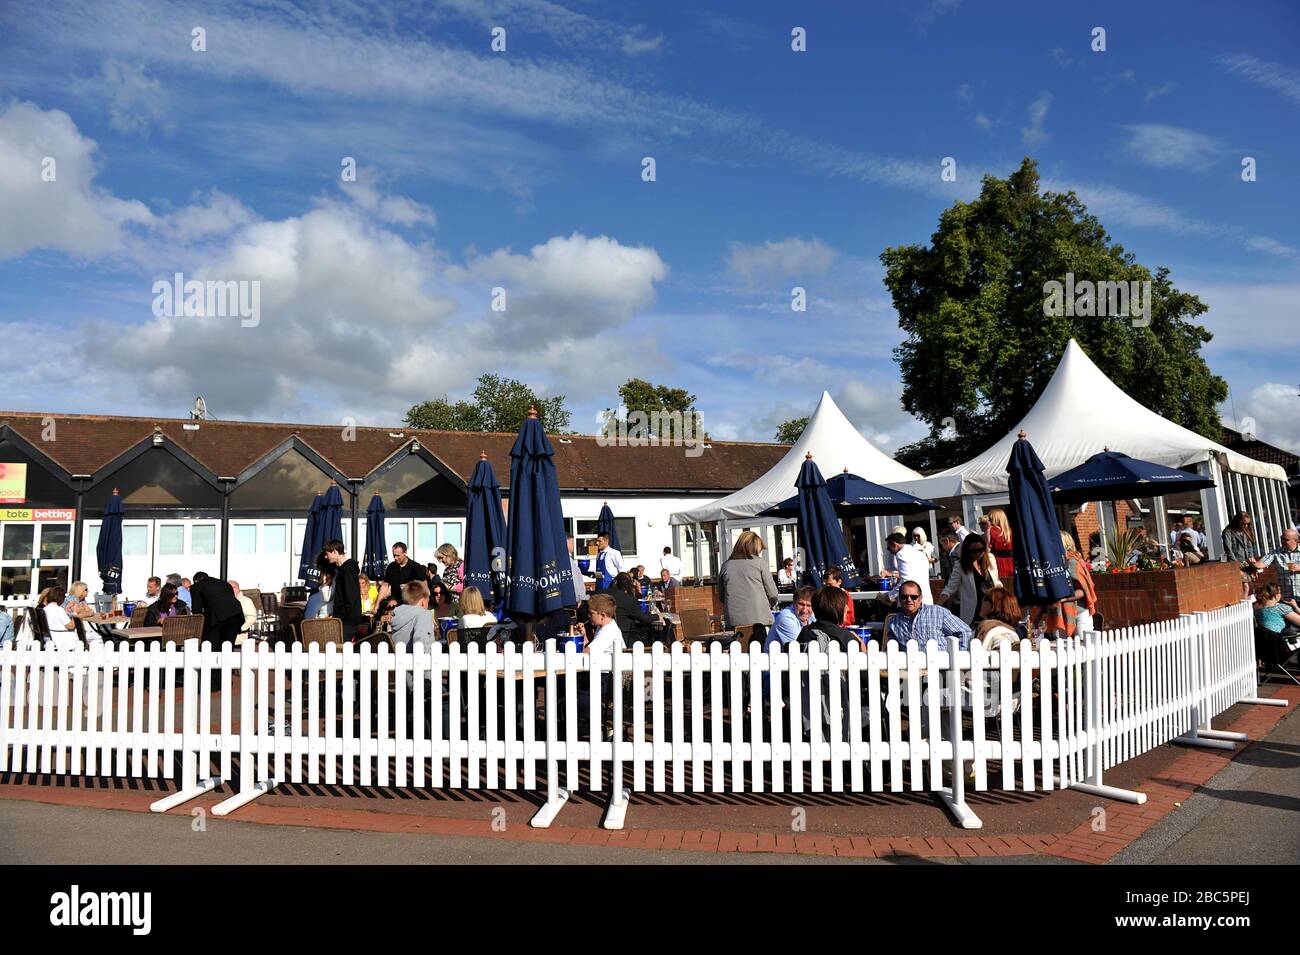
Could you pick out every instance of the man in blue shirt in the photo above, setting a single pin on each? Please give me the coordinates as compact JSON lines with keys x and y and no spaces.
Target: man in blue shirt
{"x":924,"y":622}
{"x":788,"y":624}
{"x":182,"y":591}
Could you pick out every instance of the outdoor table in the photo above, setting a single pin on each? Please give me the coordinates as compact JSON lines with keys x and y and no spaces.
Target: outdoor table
{"x":786,"y":598}
{"x":128,"y":633}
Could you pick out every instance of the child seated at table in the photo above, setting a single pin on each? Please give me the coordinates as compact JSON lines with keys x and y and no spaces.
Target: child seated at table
{"x":601,"y":609}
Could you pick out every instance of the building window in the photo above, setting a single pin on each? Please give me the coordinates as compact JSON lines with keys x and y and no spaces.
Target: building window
{"x":289,"y":483}
{"x":171,"y":540}
{"x":203,"y":540}
{"x":56,"y":541}
{"x":585,"y":534}
{"x":413,"y":484}
{"x":135,"y":540}
{"x":398,"y":532}
{"x":426,"y":536}
{"x":244,"y":538}
{"x":155,"y":479}
{"x":451,"y":534}
{"x":275,"y":538}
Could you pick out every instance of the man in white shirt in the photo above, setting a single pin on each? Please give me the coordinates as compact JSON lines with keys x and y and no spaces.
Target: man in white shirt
{"x":912,"y":565}
{"x":609,"y":562}
{"x":1187,"y":527}
{"x":671,"y":563}
{"x":958,"y":530}
{"x":787,"y":576}
{"x":151,"y":591}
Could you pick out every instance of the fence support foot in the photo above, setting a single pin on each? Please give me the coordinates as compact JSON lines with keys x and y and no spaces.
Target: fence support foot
{"x":1111,"y":792}
{"x":228,"y":806}
{"x":185,"y":795}
{"x":965,"y":817}
{"x":544,"y":816}
{"x":1190,"y":740}
{"x":617,"y":810}
{"x":1223,"y":734}
{"x":1265,"y":700}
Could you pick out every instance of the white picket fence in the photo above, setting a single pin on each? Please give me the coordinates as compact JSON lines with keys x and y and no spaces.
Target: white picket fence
{"x":803,"y":721}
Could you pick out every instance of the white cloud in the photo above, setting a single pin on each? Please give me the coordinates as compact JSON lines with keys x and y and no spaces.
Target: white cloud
{"x":635,"y":44}
{"x":982,"y":122}
{"x":1262,"y":243}
{"x":398,"y":210}
{"x":1271,"y":76}
{"x":788,"y":258}
{"x":70,"y":214}
{"x":1034,"y":134}
{"x":1155,"y":92}
{"x":136,"y":101}
{"x":1171,"y":147}
{"x":1272,"y":408}
{"x":219,"y":215}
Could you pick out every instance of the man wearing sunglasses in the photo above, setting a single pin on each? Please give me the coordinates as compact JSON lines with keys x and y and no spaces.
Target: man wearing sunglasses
{"x":924,"y":622}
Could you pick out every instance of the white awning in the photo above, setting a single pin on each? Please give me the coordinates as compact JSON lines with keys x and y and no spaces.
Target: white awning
{"x":835,"y":445}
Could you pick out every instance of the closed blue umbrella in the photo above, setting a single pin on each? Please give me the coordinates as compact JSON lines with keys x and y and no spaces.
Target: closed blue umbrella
{"x":331,"y":516}
{"x":819,"y":530}
{"x":540,"y":574}
{"x":605,"y":525}
{"x":307,"y":570}
{"x":1040,"y":574}
{"x":1113,"y":476}
{"x":108,"y":551}
{"x":376,"y":544}
{"x":852,"y":496}
{"x":485,"y":534}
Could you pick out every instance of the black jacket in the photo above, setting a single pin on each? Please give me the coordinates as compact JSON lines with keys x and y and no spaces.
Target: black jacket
{"x":216,"y":600}
{"x":823,"y":634}
{"x":151,"y":615}
{"x":347,"y":592}
{"x":395,"y":576}
{"x":627,"y":611}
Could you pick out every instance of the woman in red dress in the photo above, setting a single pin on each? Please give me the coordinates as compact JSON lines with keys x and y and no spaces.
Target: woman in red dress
{"x":999,"y":535}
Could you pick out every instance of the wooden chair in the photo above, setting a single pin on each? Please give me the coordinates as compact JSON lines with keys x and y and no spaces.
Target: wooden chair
{"x":292,"y":594}
{"x":253,"y":594}
{"x":183,"y":627}
{"x":695,"y":624}
{"x":321,"y":631}
{"x":137,"y":616}
{"x":270,"y":604}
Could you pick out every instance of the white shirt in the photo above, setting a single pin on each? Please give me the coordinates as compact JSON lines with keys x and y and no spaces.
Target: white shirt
{"x":472,"y":621}
{"x":606,"y":638}
{"x":150,"y":601}
{"x":913,"y":565}
{"x":671,"y":563}
{"x":787,"y":580}
{"x":1197,"y":537}
{"x":962,"y":533}
{"x":613,"y":561}
{"x":57,"y":619}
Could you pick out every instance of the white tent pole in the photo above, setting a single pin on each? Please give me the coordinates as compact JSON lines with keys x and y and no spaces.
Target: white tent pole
{"x":1212,"y":509}
{"x":1101,"y":526}
{"x":1162,"y":522}
{"x":699,"y":566}
{"x":1265,"y":512}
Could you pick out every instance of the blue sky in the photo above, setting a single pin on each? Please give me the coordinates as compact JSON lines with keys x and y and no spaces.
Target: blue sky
{"x":522,"y":170}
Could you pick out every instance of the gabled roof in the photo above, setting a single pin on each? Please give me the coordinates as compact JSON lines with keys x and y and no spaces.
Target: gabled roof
{"x":85,"y":444}
{"x":835,"y":445}
{"x":1079,"y":413}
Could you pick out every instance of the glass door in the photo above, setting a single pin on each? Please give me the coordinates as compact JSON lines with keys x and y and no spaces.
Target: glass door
{"x":33,"y":556}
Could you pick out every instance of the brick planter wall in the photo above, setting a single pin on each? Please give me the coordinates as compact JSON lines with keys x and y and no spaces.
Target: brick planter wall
{"x":1126,"y":599}
{"x":694,"y":598}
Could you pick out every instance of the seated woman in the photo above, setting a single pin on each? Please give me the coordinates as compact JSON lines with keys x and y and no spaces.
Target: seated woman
{"x":75,"y":603}
{"x":834,"y":578}
{"x":1272,"y":614}
{"x":828,"y":610}
{"x":167,"y":605}
{"x":473,"y":613}
{"x":441,"y":600}
{"x":1189,"y":552}
{"x":63,"y":635}
{"x":321,"y":599}
{"x":1000,"y":615}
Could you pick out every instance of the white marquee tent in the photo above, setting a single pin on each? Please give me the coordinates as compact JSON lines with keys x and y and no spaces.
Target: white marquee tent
{"x":1082,"y":412}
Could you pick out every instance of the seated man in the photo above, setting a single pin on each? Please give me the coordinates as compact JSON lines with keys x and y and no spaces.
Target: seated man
{"x":924,"y":622}
{"x":789,"y":623}
{"x":787,"y":576}
{"x":667,"y":581}
{"x":151,"y":591}
{"x":250,"y":613}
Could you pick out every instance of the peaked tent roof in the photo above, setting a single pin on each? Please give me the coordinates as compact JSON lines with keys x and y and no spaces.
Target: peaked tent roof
{"x":1079,"y":413}
{"x":835,"y":445}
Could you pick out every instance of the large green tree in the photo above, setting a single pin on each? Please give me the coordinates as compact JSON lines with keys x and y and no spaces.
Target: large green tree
{"x":788,"y":432}
{"x":648,"y":398}
{"x":979,"y":348}
{"x":499,"y":404}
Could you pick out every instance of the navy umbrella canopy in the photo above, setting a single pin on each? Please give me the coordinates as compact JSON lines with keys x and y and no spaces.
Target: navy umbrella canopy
{"x":853,"y":496}
{"x":605,"y":525}
{"x":1113,"y":475}
{"x":376,"y":544}
{"x":1040,"y":574}
{"x":311,"y":545}
{"x":540,"y":574}
{"x":108,"y":551}
{"x":820,"y":531}
{"x":485,"y":534}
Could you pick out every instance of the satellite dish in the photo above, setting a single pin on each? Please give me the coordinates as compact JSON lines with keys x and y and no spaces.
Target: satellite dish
{"x":200,"y":412}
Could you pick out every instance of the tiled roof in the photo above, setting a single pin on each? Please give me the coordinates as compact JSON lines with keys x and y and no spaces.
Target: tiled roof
{"x":1259,"y":450}
{"x":86,"y":443}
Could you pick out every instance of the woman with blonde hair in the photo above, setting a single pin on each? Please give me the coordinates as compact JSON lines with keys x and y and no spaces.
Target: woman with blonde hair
{"x":453,"y":573}
{"x":746,"y":587}
{"x":921,"y":543}
{"x":75,"y":604}
{"x":1073,"y":614}
{"x":473,"y":612}
{"x":1000,"y":542}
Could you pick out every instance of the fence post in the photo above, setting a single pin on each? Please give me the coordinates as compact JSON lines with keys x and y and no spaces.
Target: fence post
{"x":1249,"y":654}
{"x":1094,"y":729}
{"x":190,"y":785}
{"x":249,"y":786}
{"x":555,"y":796}
{"x":618,"y":794}
{"x":954,"y":794}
